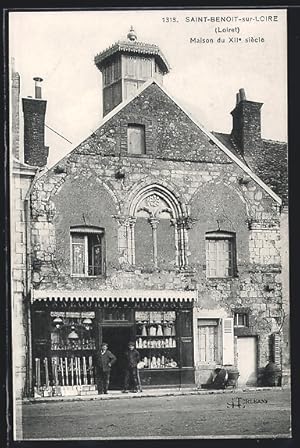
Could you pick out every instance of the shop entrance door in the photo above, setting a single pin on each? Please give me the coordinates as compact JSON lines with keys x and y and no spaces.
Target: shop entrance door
{"x":117,"y":338}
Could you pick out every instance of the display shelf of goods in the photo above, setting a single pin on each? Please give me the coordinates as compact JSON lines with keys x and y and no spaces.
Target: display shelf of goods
{"x":84,"y":345}
{"x":158,"y":360}
{"x":157,"y":342}
{"x":72,"y":331}
{"x":155,"y":329}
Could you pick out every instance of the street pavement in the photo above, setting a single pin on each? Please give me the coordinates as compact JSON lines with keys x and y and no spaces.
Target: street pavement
{"x":259,"y":414}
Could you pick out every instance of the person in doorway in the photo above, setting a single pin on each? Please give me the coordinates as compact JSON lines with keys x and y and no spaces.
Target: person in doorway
{"x":132,"y":358}
{"x":104,"y":362}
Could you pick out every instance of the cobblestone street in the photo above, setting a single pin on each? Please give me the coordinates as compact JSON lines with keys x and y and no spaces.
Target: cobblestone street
{"x":248,"y":414}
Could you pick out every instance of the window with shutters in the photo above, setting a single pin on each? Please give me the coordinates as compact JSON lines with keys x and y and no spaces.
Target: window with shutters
{"x":220,"y":254}
{"x":136,"y":139}
{"x":208,"y":341}
{"x":87,"y":251}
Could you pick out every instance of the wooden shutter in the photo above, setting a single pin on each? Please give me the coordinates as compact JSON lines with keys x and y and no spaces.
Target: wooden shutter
{"x":275,"y":348}
{"x":228,"y":341}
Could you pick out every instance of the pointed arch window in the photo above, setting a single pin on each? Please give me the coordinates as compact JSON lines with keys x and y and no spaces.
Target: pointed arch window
{"x":156,"y":237}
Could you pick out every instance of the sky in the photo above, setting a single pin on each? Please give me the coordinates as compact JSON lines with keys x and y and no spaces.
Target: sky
{"x":60,"y":47}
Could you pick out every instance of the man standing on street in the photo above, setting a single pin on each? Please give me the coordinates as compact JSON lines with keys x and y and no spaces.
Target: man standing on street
{"x":105,"y":360}
{"x":132,"y":358}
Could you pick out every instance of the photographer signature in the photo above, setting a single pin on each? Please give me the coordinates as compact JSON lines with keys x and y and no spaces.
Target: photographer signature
{"x":238,"y":402}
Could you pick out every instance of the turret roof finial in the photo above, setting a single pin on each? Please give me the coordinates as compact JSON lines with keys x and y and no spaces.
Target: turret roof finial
{"x":132,"y":34}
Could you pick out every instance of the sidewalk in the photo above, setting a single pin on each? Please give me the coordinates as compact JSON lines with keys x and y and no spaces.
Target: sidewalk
{"x":116,"y":395}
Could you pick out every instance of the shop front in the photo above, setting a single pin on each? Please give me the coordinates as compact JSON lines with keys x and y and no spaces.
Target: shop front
{"x":68,"y":329}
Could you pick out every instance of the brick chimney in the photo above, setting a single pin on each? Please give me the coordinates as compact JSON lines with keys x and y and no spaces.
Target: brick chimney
{"x":246,"y":127}
{"x":34,"y":109}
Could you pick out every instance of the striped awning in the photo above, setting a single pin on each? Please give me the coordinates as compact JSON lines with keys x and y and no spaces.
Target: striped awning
{"x":114,"y":295}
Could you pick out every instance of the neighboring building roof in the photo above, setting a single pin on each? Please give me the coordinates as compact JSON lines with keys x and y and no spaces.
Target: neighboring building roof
{"x":269,"y":162}
{"x":134,"y":47}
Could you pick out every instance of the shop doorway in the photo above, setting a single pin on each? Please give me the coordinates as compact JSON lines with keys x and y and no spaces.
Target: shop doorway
{"x":117,"y":338}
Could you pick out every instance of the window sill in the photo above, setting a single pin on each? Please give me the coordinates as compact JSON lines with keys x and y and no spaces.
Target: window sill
{"x":140,"y":156}
{"x":221,"y":278}
{"x":87,"y":276}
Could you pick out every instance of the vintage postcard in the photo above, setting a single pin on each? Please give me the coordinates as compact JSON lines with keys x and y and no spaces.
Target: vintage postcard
{"x":149,"y":224}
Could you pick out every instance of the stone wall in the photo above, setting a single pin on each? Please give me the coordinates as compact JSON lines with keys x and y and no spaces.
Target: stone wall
{"x":20,"y":183}
{"x":15,"y":114}
{"x":286,"y":349}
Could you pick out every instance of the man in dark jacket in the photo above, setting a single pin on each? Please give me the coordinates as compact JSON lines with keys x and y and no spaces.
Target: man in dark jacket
{"x":105,"y":360}
{"x":132,"y":358}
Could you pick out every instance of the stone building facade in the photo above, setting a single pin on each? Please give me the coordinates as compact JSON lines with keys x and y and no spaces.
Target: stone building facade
{"x":157,"y":230}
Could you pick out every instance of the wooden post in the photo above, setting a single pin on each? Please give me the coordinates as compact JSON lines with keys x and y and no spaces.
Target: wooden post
{"x":79,"y":371}
{"x":76,"y":371}
{"x":72,"y":372}
{"x":92,"y":382}
{"x":62,"y":371}
{"x":67,"y":371}
{"x":84,"y":370}
{"x":38,"y":372}
{"x":46,"y":372}
{"x":55,"y":373}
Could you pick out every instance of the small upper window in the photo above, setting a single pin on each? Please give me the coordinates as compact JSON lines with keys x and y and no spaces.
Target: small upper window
{"x":240,"y":319}
{"x":87,"y":251}
{"x":220,"y":254}
{"x":136,"y":139}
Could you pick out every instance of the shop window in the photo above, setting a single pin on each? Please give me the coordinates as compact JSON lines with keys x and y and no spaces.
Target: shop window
{"x":87,"y":251}
{"x":220,"y":254}
{"x":72,"y":330}
{"x":136,"y":139}
{"x":241,"y":320}
{"x":208,"y":337}
{"x":71,"y":359}
{"x":156,"y":339}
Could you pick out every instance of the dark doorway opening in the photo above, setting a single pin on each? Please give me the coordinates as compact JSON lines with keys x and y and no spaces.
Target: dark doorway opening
{"x":117,"y":339}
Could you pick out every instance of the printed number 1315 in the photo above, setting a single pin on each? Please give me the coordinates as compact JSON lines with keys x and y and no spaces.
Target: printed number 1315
{"x":169,"y":19}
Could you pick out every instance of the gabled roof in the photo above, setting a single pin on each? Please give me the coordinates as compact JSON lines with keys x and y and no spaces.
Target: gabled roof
{"x":229,"y":152}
